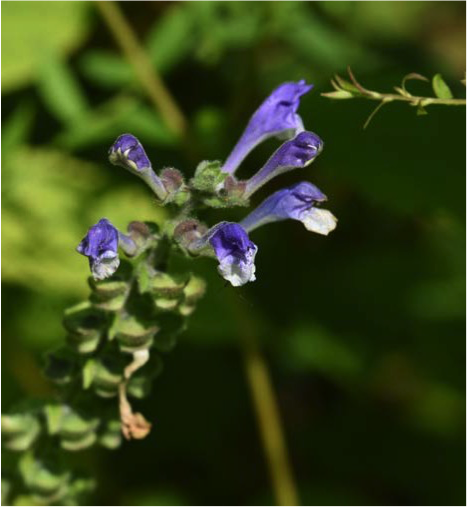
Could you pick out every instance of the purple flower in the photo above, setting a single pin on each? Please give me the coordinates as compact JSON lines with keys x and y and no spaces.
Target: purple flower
{"x":296,"y":153}
{"x":276,"y":117}
{"x":234,"y":251}
{"x":296,"y":202}
{"x":128,"y":152}
{"x":100,"y":246}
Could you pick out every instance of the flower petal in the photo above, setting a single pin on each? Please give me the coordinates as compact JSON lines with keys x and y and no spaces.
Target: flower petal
{"x":276,"y":117}
{"x":319,"y":220}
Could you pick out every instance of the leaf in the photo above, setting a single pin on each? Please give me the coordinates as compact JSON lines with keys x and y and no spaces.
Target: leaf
{"x":347,"y":85}
{"x":32,"y":30}
{"x":421,"y":110}
{"x":340,"y":94}
{"x":412,"y":75}
{"x":61,"y":91}
{"x":104,"y":124}
{"x":107,"y":69}
{"x":441,"y":89}
{"x":16,"y":128}
{"x":172,"y":38}
{"x":315,"y":349}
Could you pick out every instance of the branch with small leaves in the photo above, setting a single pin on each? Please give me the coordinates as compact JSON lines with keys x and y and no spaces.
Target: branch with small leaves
{"x":344,"y":89}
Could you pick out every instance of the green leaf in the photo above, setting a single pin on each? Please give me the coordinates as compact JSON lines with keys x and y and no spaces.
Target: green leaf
{"x":315,"y":349}
{"x":33,"y":30}
{"x":89,"y":369}
{"x":421,"y":110}
{"x":347,"y":86}
{"x":412,"y":75}
{"x":19,"y":431}
{"x":61,"y":91}
{"x":172,"y":37}
{"x":105,"y":123}
{"x":40,"y":478}
{"x":16,"y":128}
{"x":107,"y":69}
{"x":441,"y":89}
{"x":338,"y":94}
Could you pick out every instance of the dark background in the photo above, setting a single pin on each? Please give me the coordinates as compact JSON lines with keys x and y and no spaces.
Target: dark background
{"x":364,"y":330}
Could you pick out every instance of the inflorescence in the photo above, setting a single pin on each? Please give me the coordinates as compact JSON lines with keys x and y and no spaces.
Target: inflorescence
{"x":215,"y":185}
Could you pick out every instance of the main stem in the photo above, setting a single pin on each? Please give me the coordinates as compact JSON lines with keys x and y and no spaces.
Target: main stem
{"x":144,"y":69}
{"x":266,"y":410}
{"x":269,"y":422}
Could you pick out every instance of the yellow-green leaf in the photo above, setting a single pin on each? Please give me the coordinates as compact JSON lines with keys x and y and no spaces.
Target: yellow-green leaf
{"x":441,"y":89}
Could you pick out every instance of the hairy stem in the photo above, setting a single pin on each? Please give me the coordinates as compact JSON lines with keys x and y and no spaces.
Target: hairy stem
{"x":144,"y":69}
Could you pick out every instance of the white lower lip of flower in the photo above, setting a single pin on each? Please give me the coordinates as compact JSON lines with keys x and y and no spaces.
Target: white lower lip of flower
{"x":319,"y":220}
{"x":105,"y":266}
{"x":238,"y":272}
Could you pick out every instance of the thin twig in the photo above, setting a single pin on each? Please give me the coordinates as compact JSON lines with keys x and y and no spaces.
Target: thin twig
{"x":413,"y":100}
{"x":377,"y":108}
{"x":144,"y":69}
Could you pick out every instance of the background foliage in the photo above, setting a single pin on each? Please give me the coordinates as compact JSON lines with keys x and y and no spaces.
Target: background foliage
{"x":364,"y":330}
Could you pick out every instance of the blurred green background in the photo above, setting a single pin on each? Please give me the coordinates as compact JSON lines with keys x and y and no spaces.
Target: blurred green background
{"x":364,"y":330}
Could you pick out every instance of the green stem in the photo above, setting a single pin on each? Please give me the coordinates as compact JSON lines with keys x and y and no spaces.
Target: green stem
{"x":413,"y":99}
{"x":144,"y":69}
{"x":266,"y":411}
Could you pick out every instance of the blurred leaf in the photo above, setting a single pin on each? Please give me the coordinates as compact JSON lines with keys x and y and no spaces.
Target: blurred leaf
{"x":442,"y":296}
{"x":315,"y":349}
{"x":105,"y":123}
{"x":441,"y":89}
{"x":225,"y":26}
{"x":172,"y":37}
{"x":439,"y":409}
{"x":421,"y":111}
{"x":17,"y":127}
{"x":61,"y":91}
{"x":385,"y":21}
{"x":34,"y":30}
{"x":106,"y":68}
{"x":307,"y":35}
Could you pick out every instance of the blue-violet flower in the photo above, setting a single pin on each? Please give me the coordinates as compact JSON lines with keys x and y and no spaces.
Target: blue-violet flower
{"x":100,"y":246}
{"x":296,"y":202}
{"x":296,"y":153}
{"x":234,"y":251}
{"x":276,"y":117}
{"x":128,"y":152}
